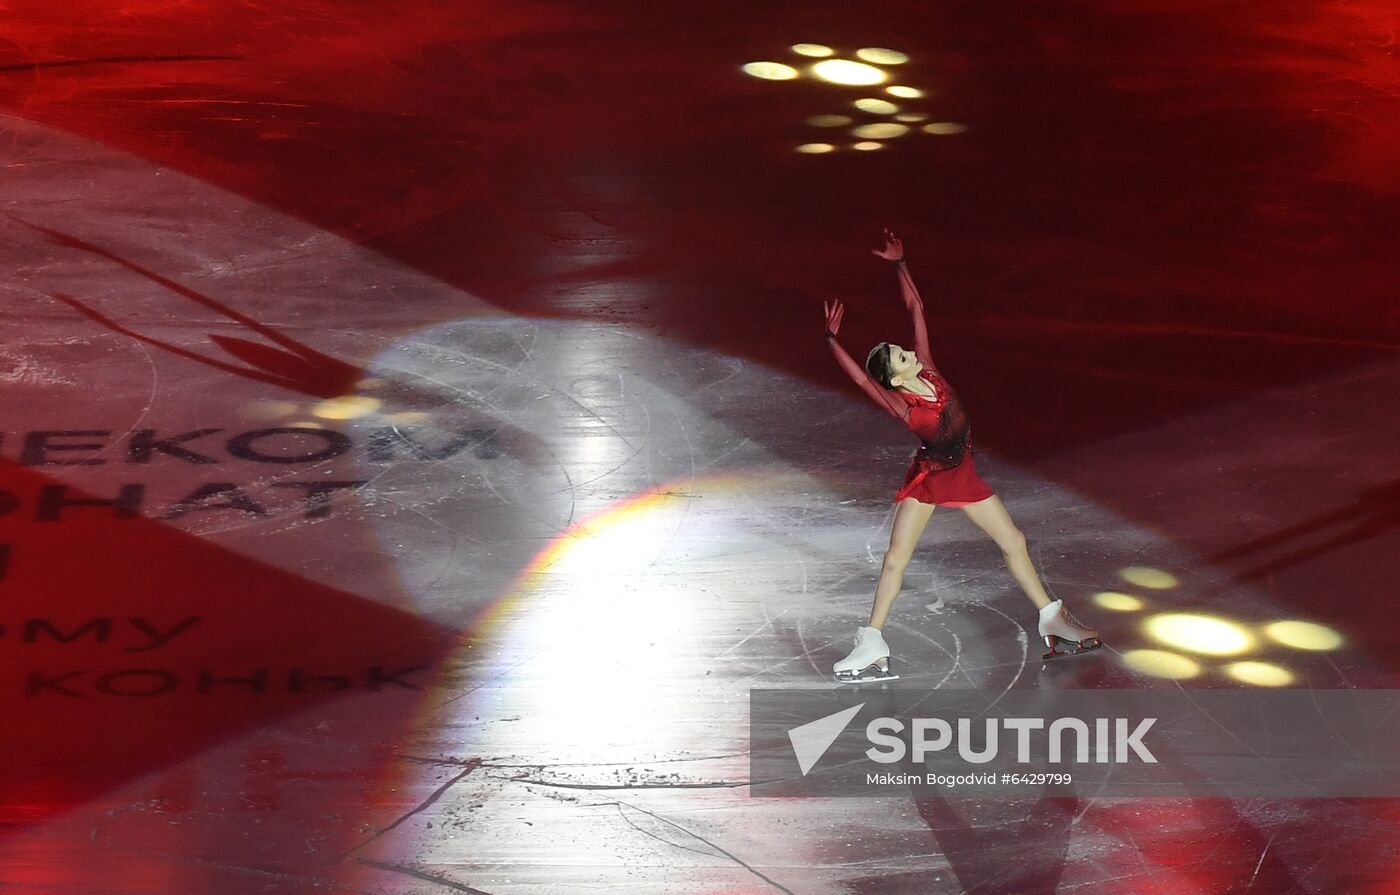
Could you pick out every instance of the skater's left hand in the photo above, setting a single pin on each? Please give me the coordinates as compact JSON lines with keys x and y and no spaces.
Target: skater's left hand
{"x":834,"y":312}
{"x":893,"y":250}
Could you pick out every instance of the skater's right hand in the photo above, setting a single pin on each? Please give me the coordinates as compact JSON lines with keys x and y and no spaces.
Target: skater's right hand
{"x":834,"y":312}
{"x":893,"y":250}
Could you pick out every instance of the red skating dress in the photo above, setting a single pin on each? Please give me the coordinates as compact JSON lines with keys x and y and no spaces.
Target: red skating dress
{"x":943,"y":471}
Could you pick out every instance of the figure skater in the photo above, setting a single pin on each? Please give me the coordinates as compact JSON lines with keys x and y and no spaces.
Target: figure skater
{"x":943,"y":473}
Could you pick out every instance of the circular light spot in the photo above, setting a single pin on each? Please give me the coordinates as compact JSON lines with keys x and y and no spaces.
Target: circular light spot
{"x":1260,"y":674}
{"x":815,"y":50}
{"x":1118,"y":602}
{"x":829,"y":120}
{"x":882,"y":56}
{"x":876,"y":106}
{"x":1303,"y":635}
{"x":903,"y":92}
{"x":867,"y":145}
{"x":1199,"y":634}
{"x":945,"y":127}
{"x":815,"y":148}
{"x":346,"y":407}
{"x":882,"y":131}
{"x":770,"y":71}
{"x":911,"y":116}
{"x":1159,"y":663}
{"x":268,"y":410}
{"x":1153,"y":579}
{"x":844,"y":71}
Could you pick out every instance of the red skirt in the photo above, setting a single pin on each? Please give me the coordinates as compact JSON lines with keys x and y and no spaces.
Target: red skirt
{"x":954,"y":487}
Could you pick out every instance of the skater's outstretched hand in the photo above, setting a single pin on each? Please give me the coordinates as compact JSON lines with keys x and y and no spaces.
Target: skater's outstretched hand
{"x":834,"y":312}
{"x":898,"y":407}
{"x":893,"y":250}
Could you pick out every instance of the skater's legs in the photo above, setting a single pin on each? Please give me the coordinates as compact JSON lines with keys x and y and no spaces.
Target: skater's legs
{"x":910,"y":519}
{"x":991,"y":516}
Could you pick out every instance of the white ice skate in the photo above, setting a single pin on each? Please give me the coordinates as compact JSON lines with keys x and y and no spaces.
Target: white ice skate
{"x":1056,"y":625}
{"x":868,"y":662}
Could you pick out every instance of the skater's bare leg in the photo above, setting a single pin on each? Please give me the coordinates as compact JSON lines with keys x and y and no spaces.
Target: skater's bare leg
{"x":991,"y":516}
{"x":910,"y":519}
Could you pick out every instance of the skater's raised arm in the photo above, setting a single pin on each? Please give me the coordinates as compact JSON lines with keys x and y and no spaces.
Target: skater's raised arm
{"x":894,"y":251}
{"x":897,"y":408}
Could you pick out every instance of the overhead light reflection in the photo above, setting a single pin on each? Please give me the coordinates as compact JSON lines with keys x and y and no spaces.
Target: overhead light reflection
{"x":1303,"y":635}
{"x":1260,"y":674}
{"x":1199,"y":634}
{"x":876,"y":106}
{"x":882,"y":131}
{"x":815,"y":148}
{"x":1159,"y":663}
{"x":1116,"y":602}
{"x":882,"y":56}
{"x":844,"y":71}
{"x":770,"y":71}
{"x":1144,"y":576}
{"x":911,"y":116}
{"x":945,"y":127}
{"x":904,"y":92}
{"x":346,"y":407}
{"x":829,"y":120}
{"x":816,"y":50}
{"x":867,"y":145}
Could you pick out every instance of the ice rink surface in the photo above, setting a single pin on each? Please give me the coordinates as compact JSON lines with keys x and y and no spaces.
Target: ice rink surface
{"x":420,"y":439}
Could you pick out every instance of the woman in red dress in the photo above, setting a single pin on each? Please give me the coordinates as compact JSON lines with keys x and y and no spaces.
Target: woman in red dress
{"x":943,"y":473}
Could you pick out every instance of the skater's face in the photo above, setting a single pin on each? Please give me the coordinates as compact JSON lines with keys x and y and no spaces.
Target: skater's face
{"x":903,"y":365}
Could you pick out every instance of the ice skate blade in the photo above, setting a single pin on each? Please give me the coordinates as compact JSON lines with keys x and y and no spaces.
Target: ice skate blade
{"x":870,"y":674}
{"x":1087,"y":646}
{"x":870,"y":679}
